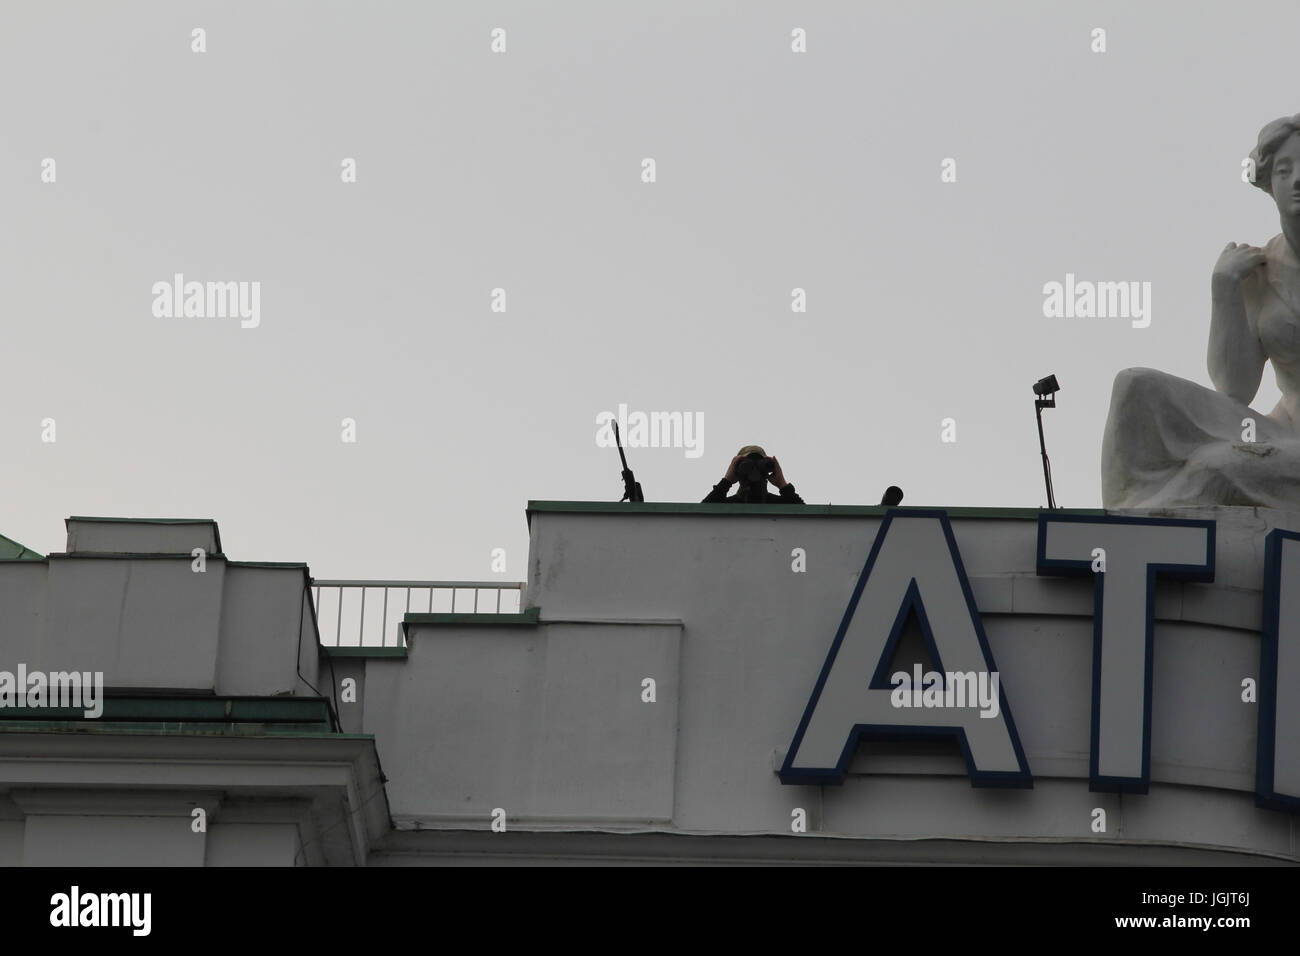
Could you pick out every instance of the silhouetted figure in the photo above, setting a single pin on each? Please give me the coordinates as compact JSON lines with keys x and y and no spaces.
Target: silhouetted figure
{"x":752,"y":469}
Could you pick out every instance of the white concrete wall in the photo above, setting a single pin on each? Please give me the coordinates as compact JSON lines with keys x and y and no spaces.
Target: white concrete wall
{"x":548,"y":723}
{"x":148,"y":621}
{"x":104,"y":840}
{"x":144,"y":622}
{"x":23,"y":601}
{"x":124,"y":536}
{"x":263,"y":612}
{"x":12,"y":833}
{"x":470,"y":721}
{"x":352,"y":714}
{"x":545,"y":723}
{"x":253,"y":844}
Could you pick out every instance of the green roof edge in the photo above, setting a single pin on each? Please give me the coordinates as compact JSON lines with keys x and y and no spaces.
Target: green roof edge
{"x":806,"y":511}
{"x":364,"y":652}
{"x":11,"y":550}
{"x":526,"y":618}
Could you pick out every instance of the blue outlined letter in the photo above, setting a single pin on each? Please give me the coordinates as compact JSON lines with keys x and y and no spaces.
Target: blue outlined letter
{"x":913,"y":567}
{"x":1137,"y":550}
{"x":1277,"y":758}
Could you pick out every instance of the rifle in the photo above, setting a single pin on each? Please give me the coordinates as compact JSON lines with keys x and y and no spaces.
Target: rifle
{"x":631,"y":487}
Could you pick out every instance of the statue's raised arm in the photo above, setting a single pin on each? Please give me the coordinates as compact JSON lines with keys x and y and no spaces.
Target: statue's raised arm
{"x":1235,"y":356}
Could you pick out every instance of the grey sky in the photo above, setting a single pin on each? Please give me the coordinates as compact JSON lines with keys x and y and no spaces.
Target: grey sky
{"x":775,"y":170}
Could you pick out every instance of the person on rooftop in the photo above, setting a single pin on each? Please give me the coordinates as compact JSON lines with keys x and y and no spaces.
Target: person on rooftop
{"x":752,"y":468}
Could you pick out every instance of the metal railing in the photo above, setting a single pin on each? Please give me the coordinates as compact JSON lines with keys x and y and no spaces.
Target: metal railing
{"x":369,"y":613}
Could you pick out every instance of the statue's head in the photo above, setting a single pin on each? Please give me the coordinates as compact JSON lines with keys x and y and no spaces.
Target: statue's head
{"x":1277,"y":163}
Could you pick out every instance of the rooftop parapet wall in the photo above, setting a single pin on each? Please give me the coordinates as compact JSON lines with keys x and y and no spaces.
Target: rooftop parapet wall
{"x":754,"y":634}
{"x":997,"y":546}
{"x":131,"y":600}
{"x":142,"y":535}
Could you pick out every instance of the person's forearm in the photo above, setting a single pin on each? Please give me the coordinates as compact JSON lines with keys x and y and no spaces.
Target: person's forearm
{"x":719,"y":492}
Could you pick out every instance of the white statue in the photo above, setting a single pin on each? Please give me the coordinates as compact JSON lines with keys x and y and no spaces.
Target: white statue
{"x":1170,"y":442}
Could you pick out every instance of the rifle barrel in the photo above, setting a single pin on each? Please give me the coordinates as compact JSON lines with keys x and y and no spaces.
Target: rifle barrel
{"x":617,"y":441}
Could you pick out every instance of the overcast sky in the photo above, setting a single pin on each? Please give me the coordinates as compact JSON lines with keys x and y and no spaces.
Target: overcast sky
{"x":522,"y":170}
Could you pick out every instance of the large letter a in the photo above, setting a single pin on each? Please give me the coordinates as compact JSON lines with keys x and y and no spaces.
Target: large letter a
{"x":913,"y":567}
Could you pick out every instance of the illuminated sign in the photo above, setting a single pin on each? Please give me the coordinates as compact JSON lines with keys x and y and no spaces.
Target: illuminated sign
{"x":914,"y":568}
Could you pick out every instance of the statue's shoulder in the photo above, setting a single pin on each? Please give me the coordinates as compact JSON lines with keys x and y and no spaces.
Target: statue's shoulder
{"x":1280,"y":262}
{"x":1278,"y":281}
{"x":1277,"y":259}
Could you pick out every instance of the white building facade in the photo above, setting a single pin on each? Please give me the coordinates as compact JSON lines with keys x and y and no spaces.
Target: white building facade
{"x":681,"y":683}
